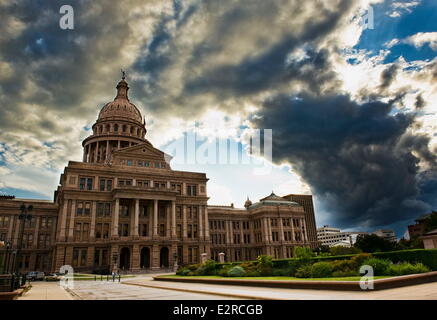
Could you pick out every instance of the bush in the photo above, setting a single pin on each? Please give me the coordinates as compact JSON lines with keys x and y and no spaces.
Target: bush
{"x":403,"y":268}
{"x":426,"y":256}
{"x":341,"y":250}
{"x":223,"y":272}
{"x":208,"y":268}
{"x":303,"y":253}
{"x":321,"y":270}
{"x":359,"y":259}
{"x":236,"y":271}
{"x":265,"y":265}
{"x":380,"y":266}
{"x":304,"y":272}
{"x":250,"y":269}
{"x":343,"y":266}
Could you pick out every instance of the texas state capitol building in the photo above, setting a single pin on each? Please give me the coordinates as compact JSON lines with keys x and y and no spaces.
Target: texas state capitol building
{"x":124,"y":207}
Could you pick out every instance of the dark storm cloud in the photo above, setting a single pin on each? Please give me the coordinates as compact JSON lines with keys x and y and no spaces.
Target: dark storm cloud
{"x":360,"y":160}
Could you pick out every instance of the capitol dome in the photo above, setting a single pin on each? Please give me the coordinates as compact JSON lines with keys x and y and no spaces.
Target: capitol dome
{"x":119,"y":125}
{"x":121,"y":107}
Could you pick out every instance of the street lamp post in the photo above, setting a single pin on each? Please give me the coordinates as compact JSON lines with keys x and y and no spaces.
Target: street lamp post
{"x":24,"y":215}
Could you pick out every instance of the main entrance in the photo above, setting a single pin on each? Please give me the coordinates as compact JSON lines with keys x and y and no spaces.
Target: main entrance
{"x":163,"y":257}
{"x":125,"y":259}
{"x":145,"y":258}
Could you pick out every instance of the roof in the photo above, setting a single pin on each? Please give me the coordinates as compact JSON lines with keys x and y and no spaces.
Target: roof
{"x":274,"y":200}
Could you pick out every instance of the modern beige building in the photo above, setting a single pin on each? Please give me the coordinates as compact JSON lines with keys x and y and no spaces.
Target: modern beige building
{"x":123,"y":207}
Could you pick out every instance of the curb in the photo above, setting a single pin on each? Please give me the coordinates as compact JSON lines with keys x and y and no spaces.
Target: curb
{"x":379,"y":284}
{"x":235,"y":295}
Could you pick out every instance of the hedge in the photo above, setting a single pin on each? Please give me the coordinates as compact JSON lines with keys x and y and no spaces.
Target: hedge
{"x":426,"y":256}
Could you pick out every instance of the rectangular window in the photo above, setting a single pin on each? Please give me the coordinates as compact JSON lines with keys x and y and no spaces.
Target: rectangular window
{"x":102,"y":184}
{"x":192,"y":190}
{"x":106,"y":231}
{"x":89,"y":183}
{"x":124,"y":211}
{"x":87,"y":209}
{"x":98,"y":231}
{"x":82,"y":182}
{"x":79,"y":209}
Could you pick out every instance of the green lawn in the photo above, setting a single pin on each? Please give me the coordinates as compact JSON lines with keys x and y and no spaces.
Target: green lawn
{"x":357,"y":278}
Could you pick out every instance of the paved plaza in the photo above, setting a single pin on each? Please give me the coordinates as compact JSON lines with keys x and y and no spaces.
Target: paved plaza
{"x":144,"y":288}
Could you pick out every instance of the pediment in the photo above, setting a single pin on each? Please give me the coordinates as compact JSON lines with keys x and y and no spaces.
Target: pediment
{"x":144,"y":151}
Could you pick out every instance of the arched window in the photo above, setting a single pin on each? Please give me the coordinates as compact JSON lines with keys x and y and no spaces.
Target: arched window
{"x":108,"y":128}
{"x":116,"y":127}
{"x":124,"y":128}
{"x":131,"y":130}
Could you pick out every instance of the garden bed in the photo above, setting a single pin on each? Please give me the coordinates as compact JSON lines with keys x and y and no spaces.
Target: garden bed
{"x":341,"y":283}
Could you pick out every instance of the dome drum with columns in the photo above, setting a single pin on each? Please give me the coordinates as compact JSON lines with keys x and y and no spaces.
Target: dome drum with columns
{"x":119,"y":125}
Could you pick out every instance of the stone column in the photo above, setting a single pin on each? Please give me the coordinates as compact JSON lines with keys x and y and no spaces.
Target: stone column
{"x":115,"y":218}
{"x":199,"y":211}
{"x":206,"y":223}
{"x":135,"y":257}
{"x":184,"y":222}
{"x":266,"y":230}
{"x":136,"y":218}
{"x":173,"y":219}
{"x":150,"y":226}
{"x":107,"y":150}
{"x":10,"y":227}
{"x":71,"y":223}
{"x":228,"y":232}
{"x":167,"y":221}
{"x":241,"y":232}
{"x":231,"y":233}
{"x":281,"y":229}
{"x":292,"y":230}
{"x":96,"y":151}
{"x":63,"y":221}
{"x":35,"y":234}
{"x":93,"y":220}
{"x":269,"y":226}
{"x":304,"y":229}
{"x":155,"y":218}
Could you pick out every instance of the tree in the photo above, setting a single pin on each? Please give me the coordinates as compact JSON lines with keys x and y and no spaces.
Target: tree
{"x":372,"y":243}
{"x":431,"y":222}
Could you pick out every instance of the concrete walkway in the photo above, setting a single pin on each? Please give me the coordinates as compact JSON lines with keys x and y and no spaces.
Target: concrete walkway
{"x":423,"y":291}
{"x":42,"y":290}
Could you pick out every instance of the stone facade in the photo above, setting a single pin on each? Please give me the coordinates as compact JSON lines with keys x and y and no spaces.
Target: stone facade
{"x":124,"y":208}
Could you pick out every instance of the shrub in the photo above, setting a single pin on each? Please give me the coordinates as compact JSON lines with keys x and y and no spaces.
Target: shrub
{"x":303,"y":253}
{"x":283,"y":272}
{"x":321,"y":270}
{"x":404,"y":268}
{"x":359,"y":259}
{"x":380,"y":266}
{"x":184,"y":272}
{"x":341,"y":250}
{"x":343,"y":265}
{"x":223,"y":272}
{"x":236,"y":271}
{"x":250,"y":269}
{"x":265,"y":265}
{"x":345,"y":273}
{"x":208,"y":268}
{"x":426,"y":256}
{"x":304,"y":272}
